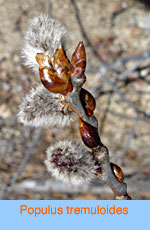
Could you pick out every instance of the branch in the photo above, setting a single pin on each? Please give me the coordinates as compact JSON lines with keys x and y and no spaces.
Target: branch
{"x":101,"y":153}
{"x":107,"y":176}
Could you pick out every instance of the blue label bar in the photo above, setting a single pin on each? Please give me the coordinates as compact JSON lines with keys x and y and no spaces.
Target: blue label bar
{"x":74,"y":214}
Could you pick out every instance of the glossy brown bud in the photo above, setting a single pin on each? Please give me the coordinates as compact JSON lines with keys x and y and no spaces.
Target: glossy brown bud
{"x":117,"y":172}
{"x":55,"y":76}
{"x":87,"y":101}
{"x":61,"y":65}
{"x":78,"y":61}
{"x":89,"y":134}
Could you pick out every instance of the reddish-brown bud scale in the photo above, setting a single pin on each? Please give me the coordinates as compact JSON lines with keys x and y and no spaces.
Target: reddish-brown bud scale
{"x":78,"y":61}
{"x":43,"y":59}
{"x":87,"y":101}
{"x":51,"y":82}
{"x":89,"y":134}
{"x":61,"y":65}
{"x":117,"y":172}
{"x":56,"y":76}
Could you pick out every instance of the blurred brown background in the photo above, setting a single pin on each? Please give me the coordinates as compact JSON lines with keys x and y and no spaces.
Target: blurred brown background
{"x":114,"y":31}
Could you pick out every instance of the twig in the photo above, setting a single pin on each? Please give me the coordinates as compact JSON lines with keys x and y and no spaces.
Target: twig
{"x":124,"y":60}
{"x":119,"y":189}
{"x":122,"y":115}
{"x":83,"y":32}
{"x":100,"y":152}
{"x":121,"y":62}
{"x":118,"y":92}
{"x":130,"y":136}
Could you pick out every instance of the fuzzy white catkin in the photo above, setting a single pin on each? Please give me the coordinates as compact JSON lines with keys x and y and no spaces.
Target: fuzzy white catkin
{"x":41,"y":107}
{"x":70,"y":162}
{"x":43,"y":35}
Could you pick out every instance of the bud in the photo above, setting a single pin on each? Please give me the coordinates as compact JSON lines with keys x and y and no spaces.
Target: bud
{"x":87,"y":101}
{"x":41,"y":107}
{"x":70,"y":162}
{"x":78,"y":61}
{"x":117,"y":172}
{"x":78,"y":64}
{"x":55,"y":76}
{"x":89,"y":134}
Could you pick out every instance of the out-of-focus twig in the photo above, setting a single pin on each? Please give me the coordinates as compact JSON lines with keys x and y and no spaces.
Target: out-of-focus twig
{"x":129,"y":139}
{"x":103,"y":72}
{"x":121,"y":115}
{"x":83,"y":32}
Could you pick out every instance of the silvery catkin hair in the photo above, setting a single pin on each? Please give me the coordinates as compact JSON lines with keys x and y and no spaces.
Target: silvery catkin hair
{"x":67,"y":161}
